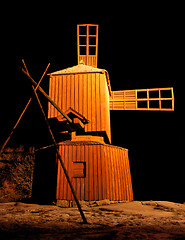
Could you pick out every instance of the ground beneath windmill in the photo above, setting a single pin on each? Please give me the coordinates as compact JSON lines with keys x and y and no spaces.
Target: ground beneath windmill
{"x":134,"y":220}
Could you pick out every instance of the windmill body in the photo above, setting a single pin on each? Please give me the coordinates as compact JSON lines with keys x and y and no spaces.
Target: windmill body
{"x":97,"y":169}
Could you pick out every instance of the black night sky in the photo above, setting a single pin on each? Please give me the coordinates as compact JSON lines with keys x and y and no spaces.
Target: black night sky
{"x":138,"y":51}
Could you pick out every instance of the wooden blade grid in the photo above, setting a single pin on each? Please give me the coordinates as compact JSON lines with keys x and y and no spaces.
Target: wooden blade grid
{"x":87,"y":51}
{"x":130,"y":100}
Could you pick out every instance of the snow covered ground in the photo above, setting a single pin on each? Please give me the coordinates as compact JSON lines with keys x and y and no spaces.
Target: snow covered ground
{"x":131,"y":220}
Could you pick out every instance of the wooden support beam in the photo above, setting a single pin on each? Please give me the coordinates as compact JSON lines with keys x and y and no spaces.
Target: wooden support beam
{"x":58,"y":154}
{"x":61,"y":161}
{"x":46,"y":96}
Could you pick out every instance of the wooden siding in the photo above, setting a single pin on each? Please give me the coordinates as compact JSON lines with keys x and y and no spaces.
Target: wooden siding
{"x":88,"y":60}
{"x":107,"y":173}
{"x":88,"y":94}
{"x":143,"y":100}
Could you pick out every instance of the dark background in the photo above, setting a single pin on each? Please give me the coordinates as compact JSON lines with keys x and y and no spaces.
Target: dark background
{"x":139,"y":51}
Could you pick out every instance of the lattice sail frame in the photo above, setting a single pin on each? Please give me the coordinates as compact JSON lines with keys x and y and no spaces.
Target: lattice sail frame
{"x":87,"y":44}
{"x":156,"y":99}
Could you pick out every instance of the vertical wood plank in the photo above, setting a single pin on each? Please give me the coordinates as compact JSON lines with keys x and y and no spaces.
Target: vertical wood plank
{"x":110,"y":173}
{"x":64,"y":97}
{"x":56,"y":93}
{"x":104,"y":172}
{"x":74,"y":181}
{"x":68,"y":92}
{"x":82,"y":180}
{"x":85,"y":96}
{"x":87,"y":179}
{"x":62,"y":178}
{"x":70,"y":170}
{"x":53,"y":95}
{"x":118,"y":156}
{"x":126,"y":174}
{"x":98,"y":103}
{"x":66,"y":160}
{"x":76,"y":93}
{"x":95,"y":174}
{"x":100,"y":175}
{"x":89,"y":116}
{"x":58,"y":194}
{"x":91,"y":173}
{"x":115,"y":156}
{"x":122,"y":177}
{"x":60,"y":92}
{"x":93,"y":102}
{"x":80,"y":95}
{"x":78,"y":158}
{"x":50,"y":94}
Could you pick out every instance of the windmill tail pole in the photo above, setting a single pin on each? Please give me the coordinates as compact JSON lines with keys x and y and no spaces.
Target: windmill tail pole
{"x":46,"y":96}
{"x":60,"y":158}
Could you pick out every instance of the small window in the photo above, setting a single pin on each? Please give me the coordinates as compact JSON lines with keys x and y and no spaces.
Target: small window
{"x":79,"y":170}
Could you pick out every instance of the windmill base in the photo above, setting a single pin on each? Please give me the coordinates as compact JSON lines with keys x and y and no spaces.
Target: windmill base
{"x":98,"y":171}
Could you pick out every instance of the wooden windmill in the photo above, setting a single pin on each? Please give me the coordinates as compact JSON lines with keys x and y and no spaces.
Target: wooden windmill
{"x":97,"y":169}
{"x":80,"y":100}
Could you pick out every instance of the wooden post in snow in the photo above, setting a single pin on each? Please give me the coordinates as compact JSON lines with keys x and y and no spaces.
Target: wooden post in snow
{"x":61,"y":161}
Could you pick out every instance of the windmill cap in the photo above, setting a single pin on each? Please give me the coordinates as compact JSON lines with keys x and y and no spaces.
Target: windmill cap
{"x":81,"y":69}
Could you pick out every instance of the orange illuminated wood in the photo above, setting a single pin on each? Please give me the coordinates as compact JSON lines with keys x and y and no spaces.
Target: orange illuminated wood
{"x":98,"y":171}
{"x":65,"y":170}
{"x":80,"y":100}
{"x":156,"y":99}
{"x":86,"y":90}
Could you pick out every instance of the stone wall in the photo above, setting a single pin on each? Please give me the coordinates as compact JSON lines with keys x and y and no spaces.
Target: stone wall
{"x":16,"y":174}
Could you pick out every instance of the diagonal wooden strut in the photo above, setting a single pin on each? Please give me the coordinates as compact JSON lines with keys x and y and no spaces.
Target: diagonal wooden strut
{"x":26,"y":107}
{"x":60,"y":158}
{"x":46,"y":96}
{"x":58,"y":154}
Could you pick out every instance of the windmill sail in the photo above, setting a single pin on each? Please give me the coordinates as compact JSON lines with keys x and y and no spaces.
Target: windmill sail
{"x":156,"y":99}
{"x":87,"y":44}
